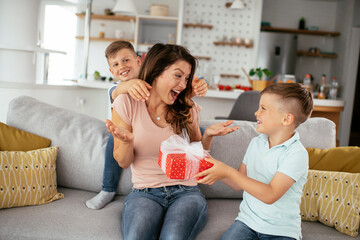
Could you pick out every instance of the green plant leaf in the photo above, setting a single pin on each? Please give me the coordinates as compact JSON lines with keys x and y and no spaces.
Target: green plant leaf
{"x":267,"y":72}
{"x":259,"y":73}
{"x":252,"y":72}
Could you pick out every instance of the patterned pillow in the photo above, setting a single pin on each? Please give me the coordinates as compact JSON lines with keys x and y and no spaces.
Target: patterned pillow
{"x":333,"y":198}
{"x":28,"y":178}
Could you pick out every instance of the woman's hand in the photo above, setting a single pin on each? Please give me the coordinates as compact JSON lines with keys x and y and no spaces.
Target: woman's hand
{"x":220,"y":129}
{"x":120,"y":133}
{"x":217,"y":129}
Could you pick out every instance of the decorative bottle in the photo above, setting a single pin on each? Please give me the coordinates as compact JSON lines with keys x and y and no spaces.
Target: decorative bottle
{"x":333,"y":88}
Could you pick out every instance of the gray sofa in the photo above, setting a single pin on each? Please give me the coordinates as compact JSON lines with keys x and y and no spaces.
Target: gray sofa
{"x":82,"y":139}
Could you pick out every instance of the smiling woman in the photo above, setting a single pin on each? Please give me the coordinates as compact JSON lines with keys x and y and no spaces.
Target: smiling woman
{"x":140,"y":127}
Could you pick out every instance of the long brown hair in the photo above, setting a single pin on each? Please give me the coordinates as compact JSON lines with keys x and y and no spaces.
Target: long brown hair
{"x":157,"y":60}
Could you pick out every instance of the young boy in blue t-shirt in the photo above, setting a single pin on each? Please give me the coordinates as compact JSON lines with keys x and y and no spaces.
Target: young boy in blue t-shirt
{"x":274,"y":168}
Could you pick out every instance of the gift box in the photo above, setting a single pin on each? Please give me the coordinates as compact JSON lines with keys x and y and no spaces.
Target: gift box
{"x":180,"y":159}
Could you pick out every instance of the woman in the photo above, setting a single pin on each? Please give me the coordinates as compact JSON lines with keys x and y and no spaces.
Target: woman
{"x":159,"y":207}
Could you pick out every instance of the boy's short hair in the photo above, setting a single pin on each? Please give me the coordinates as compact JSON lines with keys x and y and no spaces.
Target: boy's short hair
{"x":116,"y":46}
{"x":295,"y":99}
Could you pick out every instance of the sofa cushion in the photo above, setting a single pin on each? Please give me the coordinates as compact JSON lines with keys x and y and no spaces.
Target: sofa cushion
{"x":13,"y":139}
{"x":70,"y":219}
{"x":315,"y":132}
{"x":329,"y":159}
{"x":333,"y":198}
{"x":28,"y":178}
{"x":81,"y":140}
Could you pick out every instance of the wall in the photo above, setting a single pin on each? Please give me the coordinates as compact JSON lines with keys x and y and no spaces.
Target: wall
{"x":348,"y":46}
{"x":95,"y":101}
{"x":18,"y":29}
{"x":227,"y":24}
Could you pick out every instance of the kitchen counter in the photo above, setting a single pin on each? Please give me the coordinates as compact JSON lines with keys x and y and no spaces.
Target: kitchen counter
{"x":95,"y":84}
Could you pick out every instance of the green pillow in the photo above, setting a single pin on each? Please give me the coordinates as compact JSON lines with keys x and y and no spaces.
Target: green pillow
{"x":13,"y":139}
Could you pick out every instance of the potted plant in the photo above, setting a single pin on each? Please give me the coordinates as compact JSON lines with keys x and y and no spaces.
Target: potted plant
{"x":260,"y":72}
{"x":256,"y":78}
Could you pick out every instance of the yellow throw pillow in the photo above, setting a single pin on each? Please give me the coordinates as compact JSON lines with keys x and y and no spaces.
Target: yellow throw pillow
{"x":333,"y":198}
{"x":13,"y":139}
{"x":28,"y":178}
{"x":340,"y":159}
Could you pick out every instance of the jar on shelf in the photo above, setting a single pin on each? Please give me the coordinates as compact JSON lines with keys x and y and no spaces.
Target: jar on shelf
{"x":171,"y":38}
{"x":288,"y":78}
{"x":102,"y":30}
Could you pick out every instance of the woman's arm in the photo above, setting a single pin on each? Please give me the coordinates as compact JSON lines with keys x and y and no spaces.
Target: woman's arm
{"x":123,"y":140}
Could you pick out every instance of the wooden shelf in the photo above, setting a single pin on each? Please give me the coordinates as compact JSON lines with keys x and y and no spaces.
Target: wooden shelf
{"x":105,"y":39}
{"x":299,"y":31}
{"x":229,"y":75}
{"x":195,"y":25}
{"x":309,"y":54}
{"x":108,"y":17}
{"x":233,"y":44}
{"x":203,"y":58}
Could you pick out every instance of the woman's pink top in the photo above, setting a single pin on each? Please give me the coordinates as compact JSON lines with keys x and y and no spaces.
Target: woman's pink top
{"x":146,"y":173}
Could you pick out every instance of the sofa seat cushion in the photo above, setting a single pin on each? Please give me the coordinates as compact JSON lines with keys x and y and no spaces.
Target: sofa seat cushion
{"x":66,"y":219}
{"x":70,"y":219}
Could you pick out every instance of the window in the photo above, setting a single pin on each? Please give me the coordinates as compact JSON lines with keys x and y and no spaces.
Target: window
{"x":58,"y":36}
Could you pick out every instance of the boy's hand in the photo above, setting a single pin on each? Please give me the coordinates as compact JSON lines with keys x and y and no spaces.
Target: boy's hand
{"x":199,"y":87}
{"x":120,"y":133}
{"x":220,"y":129}
{"x":213,"y":174}
{"x":139,"y":89}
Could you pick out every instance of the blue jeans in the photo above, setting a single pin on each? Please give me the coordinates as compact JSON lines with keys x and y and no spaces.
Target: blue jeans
{"x":112,"y":170}
{"x":173,"y":212}
{"x":240,"y":231}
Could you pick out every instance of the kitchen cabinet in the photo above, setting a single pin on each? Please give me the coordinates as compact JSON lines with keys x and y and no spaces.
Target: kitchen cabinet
{"x":145,"y":30}
{"x":154,"y":29}
{"x":330,"y":109}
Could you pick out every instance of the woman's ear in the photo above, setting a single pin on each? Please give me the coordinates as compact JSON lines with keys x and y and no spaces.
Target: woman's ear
{"x":288,"y":119}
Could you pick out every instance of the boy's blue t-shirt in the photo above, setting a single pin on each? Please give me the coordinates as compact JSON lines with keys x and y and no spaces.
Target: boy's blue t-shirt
{"x":281,"y":218}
